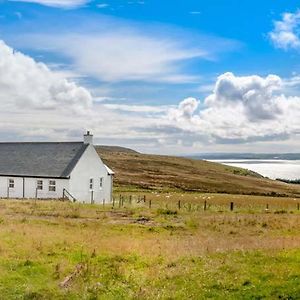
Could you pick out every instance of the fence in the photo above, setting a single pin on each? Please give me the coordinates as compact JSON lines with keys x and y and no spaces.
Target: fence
{"x":145,"y":201}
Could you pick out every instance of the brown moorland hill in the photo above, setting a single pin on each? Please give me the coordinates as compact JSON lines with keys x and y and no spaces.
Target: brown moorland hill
{"x":159,"y":172}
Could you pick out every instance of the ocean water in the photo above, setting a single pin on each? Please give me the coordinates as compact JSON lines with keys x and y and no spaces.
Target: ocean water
{"x":272,"y":168}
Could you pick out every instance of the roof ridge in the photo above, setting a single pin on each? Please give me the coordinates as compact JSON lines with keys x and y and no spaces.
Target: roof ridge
{"x":16,"y":143}
{"x":69,"y":168}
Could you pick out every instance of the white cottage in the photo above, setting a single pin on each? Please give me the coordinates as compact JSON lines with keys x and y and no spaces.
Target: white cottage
{"x":52,"y":170}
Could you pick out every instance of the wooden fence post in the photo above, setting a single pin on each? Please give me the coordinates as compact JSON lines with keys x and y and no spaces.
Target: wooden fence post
{"x":150,"y":203}
{"x":205,"y":205}
{"x":179,"y":205}
{"x":231,"y":206}
{"x":298,"y":206}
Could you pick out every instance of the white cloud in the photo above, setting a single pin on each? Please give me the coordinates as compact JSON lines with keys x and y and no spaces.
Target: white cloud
{"x":205,"y":88}
{"x":286,"y":33}
{"x":148,"y":109}
{"x":292,"y":82}
{"x":254,"y":93}
{"x":57,"y":3}
{"x":128,"y":55}
{"x":26,"y":83}
{"x":185,"y":110}
{"x":102,"y":5}
{"x":37,"y":103}
{"x":241,"y":109}
{"x":114,"y":50}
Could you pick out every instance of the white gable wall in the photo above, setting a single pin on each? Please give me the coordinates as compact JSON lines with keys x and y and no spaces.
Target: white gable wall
{"x":90,"y":166}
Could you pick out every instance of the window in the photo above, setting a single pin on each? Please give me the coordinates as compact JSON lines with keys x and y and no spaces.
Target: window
{"x":52,"y":185}
{"x":11,"y":183}
{"x":101,"y":183}
{"x":91,"y":183}
{"x":39,"y":184}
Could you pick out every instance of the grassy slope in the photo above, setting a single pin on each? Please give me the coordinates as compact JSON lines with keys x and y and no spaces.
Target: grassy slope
{"x":137,"y":253}
{"x":166,"y":172}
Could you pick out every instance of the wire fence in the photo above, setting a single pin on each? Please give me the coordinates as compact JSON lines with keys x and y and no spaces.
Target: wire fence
{"x":122,"y":201}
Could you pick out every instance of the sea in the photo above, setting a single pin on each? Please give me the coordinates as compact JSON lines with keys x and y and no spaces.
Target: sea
{"x":271,"y":168}
{"x":275,"y":166}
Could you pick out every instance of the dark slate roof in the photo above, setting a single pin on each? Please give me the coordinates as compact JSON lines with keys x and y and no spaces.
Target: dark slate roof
{"x":55,"y":160}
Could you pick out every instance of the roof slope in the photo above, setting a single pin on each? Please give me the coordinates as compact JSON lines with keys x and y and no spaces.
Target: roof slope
{"x":40,"y":159}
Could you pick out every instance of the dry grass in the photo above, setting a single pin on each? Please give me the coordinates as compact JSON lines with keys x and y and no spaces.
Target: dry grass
{"x":135,"y":170}
{"x":161,"y":230}
{"x":134,"y":252}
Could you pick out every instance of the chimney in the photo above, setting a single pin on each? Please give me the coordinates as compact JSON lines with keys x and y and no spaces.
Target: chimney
{"x":88,"y":138}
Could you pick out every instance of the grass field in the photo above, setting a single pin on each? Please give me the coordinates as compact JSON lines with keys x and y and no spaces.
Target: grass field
{"x":60,"y":250}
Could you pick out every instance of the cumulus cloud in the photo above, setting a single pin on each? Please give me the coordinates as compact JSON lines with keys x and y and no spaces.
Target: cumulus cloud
{"x":286,"y":32}
{"x":241,"y":109}
{"x":184,"y":116}
{"x":254,"y":94}
{"x":57,"y":3}
{"x":27,"y":83}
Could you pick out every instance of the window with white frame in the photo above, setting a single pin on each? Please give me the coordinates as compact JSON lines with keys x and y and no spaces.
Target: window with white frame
{"x":52,"y":185}
{"x":11,"y":183}
{"x":91,"y":183}
{"x":101,"y":183}
{"x":39,"y":184}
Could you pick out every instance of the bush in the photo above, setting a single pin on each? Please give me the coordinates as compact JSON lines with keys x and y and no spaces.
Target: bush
{"x":162,"y":211}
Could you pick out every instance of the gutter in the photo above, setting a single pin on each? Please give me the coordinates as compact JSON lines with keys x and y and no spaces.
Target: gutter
{"x":35,"y":176}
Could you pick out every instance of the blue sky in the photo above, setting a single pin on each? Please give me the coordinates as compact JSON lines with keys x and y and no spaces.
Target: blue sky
{"x":159,"y":76}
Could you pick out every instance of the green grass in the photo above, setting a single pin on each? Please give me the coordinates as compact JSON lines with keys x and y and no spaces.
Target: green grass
{"x":142,"y":253}
{"x":234,"y":275}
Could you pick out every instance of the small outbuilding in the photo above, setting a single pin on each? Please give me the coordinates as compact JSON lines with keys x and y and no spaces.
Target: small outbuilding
{"x":53,"y":170}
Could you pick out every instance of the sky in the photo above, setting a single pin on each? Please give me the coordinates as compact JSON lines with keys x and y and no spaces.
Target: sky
{"x":167,"y":77}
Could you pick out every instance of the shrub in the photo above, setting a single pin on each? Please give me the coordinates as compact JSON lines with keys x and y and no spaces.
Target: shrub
{"x":162,"y":211}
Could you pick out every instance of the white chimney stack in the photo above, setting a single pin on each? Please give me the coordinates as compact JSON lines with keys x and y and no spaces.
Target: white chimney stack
{"x":88,"y":138}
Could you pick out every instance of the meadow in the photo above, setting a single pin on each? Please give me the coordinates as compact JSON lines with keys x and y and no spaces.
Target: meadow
{"x":151,"y":246}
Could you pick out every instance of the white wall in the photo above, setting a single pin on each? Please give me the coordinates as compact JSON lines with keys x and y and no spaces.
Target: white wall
{"x":30,"y":185}
{"x":90,"y":166}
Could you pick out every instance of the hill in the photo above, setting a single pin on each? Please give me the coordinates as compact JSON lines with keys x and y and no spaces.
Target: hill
{"x":158,"y":172}
{"x":115,"y":149}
